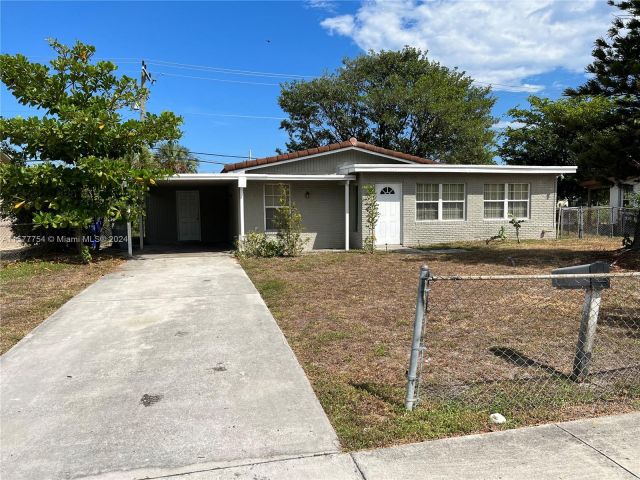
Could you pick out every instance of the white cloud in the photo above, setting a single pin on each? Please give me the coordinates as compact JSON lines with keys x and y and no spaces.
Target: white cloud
{"x":498,"y":42}
{"x":327,"y":5}
{"x":504,"y":124}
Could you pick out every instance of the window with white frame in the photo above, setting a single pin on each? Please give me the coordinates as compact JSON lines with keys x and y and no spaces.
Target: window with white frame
{"x":505,"y":200}
{"x":272,"y":193}
{"x":440,"y":201}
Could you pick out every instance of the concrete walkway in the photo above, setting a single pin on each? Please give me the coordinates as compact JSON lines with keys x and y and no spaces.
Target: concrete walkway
{"x":597,"y":449}
{"x":173,"y":364}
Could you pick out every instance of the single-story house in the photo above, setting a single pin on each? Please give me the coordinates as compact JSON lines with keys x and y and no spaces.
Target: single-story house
{"x":421,"y":201}
{"x":621,"y":193}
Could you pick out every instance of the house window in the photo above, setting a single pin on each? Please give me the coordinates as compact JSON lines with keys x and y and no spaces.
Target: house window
{"x":627,"y":194}
{"x":504,"y":200}
{"x":437,"y":201}
{"x":272,"y":192}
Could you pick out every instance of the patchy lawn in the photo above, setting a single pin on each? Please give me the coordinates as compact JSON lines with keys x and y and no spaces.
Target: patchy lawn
{"x":32,"y":289}
{"x":504,"y":347}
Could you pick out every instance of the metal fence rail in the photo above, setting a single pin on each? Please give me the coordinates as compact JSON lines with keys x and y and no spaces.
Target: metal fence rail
{"x":513,"y":343}
{"x":584,"y":222}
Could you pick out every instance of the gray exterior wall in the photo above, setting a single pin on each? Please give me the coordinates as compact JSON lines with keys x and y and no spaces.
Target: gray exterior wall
{"x":324,"y":164}
{"x":215,"y":214}
{"x":322,"y":213}
{"x":542,"y":203}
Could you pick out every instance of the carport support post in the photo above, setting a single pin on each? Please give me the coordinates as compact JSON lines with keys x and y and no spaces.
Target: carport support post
{"x":242,"y":183}
{"x":588,"y":323}
{"x":346,"y":215}
{"x":141,"y":233}
{"x":129,"y":240}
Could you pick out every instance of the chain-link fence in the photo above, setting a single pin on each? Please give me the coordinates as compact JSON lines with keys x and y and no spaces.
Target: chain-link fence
{"x":15,"y":239}
{"x":518,"y":344}
{"x":584,"y":222}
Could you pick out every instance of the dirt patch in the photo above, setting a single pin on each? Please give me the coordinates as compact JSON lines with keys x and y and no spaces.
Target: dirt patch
{"x":349,"y":316}
{"x":34,"y":288}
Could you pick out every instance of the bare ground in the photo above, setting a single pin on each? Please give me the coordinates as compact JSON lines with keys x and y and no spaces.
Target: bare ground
{"x":33,"y":288}
{"x":499,"y":346}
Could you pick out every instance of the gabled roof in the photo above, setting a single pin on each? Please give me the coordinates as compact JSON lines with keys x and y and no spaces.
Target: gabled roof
{"x":351,"y":143}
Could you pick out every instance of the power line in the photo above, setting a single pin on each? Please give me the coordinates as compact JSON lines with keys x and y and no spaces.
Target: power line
{"x":231,"y":71}
{"x":218,"y":79}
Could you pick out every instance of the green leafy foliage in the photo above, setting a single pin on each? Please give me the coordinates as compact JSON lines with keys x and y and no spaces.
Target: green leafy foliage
{"x":562,"y":132}
{"x":89,"y":159}
{"x":371,"y":217}
{"x":175,"y":158}
{"x":288,"y":241}
{"x":393,"y":99}
{"x":517,"y":224}
{"x":288,"y":221}
{"x":257,"y":244}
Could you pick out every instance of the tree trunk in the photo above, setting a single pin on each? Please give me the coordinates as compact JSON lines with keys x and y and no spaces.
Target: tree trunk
{"x":636,"y":234}
{"x":78,"y":232}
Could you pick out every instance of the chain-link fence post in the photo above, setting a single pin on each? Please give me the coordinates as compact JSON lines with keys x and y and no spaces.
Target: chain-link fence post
{"x":587,"y":333}
{"x":580,"y":223}
{"x":411,"y":398}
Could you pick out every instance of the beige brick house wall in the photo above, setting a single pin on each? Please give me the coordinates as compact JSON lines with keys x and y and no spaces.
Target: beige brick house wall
{"x":540,"y":224}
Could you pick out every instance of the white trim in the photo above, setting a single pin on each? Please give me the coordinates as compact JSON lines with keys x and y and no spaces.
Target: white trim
{"x":264,"y":203}
{"x":213,"y":177}
{"x":321,"y":154}
{"x":241,"y":212}
{"x":444,"y":168}
{"x":505,"y":202}
{"x":347,"y":223}
{"x":440,"y":202}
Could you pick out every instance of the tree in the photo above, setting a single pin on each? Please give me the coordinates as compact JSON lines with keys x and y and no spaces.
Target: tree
{"x":288,"y":221}
{"x":81,"y":144}
{"x":176,"y":158}
{"x":560,"y":132}
{"x":616,"y":75}
{"x":393,"y":99}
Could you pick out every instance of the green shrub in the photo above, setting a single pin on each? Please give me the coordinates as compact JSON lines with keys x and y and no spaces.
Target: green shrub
{"x":371,"y":217}
{"x":256,"y":244}
{"x":288,"y":221}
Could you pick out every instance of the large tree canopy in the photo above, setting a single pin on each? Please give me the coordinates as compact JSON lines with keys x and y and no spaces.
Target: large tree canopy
{"x":81,"y":144}
{"x":597,"y":125}
{"x":616,"y":76}
{"x":398,"y":100}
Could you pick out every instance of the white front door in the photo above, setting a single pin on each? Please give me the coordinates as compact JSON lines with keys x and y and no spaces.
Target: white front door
{"x":388,"y":227}
{"x":188,"y":208}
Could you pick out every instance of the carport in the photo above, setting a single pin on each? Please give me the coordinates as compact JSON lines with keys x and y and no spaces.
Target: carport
{"x":193,"y":211}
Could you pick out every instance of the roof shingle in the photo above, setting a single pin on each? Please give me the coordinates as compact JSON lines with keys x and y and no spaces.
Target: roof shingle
{"x":352,"y":142}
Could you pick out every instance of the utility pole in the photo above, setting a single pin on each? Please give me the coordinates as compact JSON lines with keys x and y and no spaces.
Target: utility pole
{"x":144,"y":76}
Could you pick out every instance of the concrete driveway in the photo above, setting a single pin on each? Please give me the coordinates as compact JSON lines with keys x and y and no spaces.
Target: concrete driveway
{"x":171,"y":365}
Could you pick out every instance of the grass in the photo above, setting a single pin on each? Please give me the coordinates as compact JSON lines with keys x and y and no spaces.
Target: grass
{"x":33,"y":288}
{"x":504,"y":347}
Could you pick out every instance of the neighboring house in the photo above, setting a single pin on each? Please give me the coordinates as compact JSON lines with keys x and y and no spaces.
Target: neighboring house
{"x":621,"y":194}
{"x":421,"y":201}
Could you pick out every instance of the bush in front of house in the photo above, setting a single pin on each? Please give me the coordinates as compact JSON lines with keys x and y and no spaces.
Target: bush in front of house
{"x":257,"y":244}
{"x":288,"y":241}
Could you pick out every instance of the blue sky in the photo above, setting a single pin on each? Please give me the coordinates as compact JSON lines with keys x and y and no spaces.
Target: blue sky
{"x":520,"y":47}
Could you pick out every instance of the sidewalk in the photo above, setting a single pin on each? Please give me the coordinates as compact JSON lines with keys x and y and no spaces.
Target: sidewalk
{"x":600,"y":448}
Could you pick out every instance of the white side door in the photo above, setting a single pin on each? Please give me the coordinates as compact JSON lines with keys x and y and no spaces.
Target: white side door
{"x":188,"y":209}
{"x":388,"y":227}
